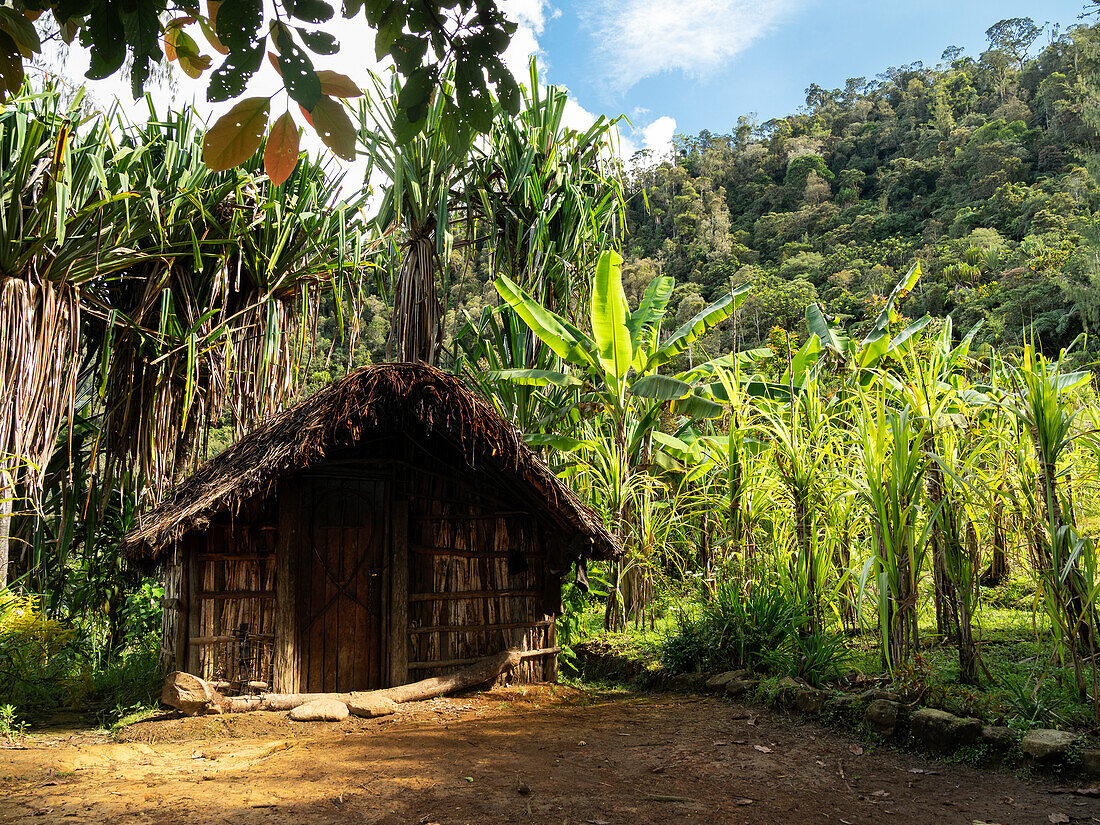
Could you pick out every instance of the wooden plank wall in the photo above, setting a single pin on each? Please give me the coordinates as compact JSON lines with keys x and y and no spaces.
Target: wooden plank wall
{"x":173,"y":635}
{"x":232,"y":594}
{"x":476,"y":581}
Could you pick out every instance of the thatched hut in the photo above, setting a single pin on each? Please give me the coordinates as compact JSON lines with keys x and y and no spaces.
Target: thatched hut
{"x":391,"y":527}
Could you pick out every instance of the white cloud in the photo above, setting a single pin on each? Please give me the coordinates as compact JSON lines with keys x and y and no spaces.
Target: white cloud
{"x":657,"y":136}
{"x":530,"y":17}
{"x":643,"y":38}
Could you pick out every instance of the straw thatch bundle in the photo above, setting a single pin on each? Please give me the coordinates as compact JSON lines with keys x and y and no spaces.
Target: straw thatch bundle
{"x":413,"y":399}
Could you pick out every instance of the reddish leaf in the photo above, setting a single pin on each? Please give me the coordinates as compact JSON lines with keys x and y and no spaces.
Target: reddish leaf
{"x":170,"y":44}
{"x":273,"y":59}
{"x":281,"y":152}
{"x":335,"y":84}
{"x":211,"y":38}
{"x":334,"y":127}
{"x":237,"y":134}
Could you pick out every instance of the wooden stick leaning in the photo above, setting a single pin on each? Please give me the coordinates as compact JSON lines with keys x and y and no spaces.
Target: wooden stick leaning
{"x":195,"y":696}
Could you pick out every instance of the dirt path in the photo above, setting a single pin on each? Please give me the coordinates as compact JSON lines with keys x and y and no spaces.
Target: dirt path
{"x":511,"y":756}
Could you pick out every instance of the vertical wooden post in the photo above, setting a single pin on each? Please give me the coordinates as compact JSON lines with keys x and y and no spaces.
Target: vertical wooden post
{"x":194,"y":606}
{"x":399,"y":596}
{"x":285,"y":673}
{"x":173,"y":643}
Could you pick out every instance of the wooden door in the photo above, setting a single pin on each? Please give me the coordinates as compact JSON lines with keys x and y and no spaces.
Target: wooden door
{"x":339,"y":584}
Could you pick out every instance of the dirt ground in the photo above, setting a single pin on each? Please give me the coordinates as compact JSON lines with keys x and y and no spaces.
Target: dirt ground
{"x":538,"y":755}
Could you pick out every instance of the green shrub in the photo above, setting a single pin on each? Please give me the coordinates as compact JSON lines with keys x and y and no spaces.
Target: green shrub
{"x":42,"y":661}
{"x":733,"y":629}
{"x":814,"y":657}
{"x":131,"y":683}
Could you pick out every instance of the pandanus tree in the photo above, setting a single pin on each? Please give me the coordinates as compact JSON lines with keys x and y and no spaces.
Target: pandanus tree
{"x":210,"y":316}
{"x":548,"y":205}
{"x":424,"y":171}
{"x":59,"y":225}
{"x":549,"y":195}
{"x":143,"y":293}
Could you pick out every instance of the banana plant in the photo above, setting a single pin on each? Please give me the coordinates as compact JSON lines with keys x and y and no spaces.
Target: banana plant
{"x":615,"y":367}
{"x":863,"y":355}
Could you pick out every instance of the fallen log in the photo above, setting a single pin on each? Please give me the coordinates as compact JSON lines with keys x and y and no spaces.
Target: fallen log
{"x":195,"y":696}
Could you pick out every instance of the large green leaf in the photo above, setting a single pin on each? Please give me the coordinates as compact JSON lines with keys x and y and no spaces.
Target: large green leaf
{"x":660,"y":388}
{"x":706,"y":319}
{"x":742,"y":358}
{"x":902,"y":342}
{"x":645,"y":322}
{"x":609,"y":313}
{"x":696,"y":406}
{"x":562,"y":443}
{"x":565,"y":340}
{"x":889,"y":312}
{"x":818,"y":325}
{"x":535,"y":378}
{"x":677,"y":448}
{"x":804,"y":360}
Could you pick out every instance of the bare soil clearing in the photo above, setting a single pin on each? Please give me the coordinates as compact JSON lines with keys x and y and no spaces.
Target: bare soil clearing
{"x":532,"y":754}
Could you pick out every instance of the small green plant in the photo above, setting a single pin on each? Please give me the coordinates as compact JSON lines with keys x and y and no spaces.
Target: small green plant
{"x":9,"y":725}
{"x":914,"y":681}
{"x":1030,"y":705}
{"x":816,"y":657}
{"x":133,"y":714}
{"x":735,"y":627}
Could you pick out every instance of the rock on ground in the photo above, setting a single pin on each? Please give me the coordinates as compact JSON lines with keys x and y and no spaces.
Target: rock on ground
{"x":1090,"y":760}
{"x":320,"y":710}
{"x":1047,"y":745}
{"x":719,"y":681}
{"x":943,"y":731}
{"x":190,"y":694}
{"x":882,"y":715}
{"x":367,"y":706}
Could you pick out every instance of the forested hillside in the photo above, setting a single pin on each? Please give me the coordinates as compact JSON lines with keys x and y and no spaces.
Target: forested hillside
{"x":983,"y":167}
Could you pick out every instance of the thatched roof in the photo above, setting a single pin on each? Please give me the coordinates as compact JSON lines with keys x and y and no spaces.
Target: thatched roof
{"x":373,"y":401}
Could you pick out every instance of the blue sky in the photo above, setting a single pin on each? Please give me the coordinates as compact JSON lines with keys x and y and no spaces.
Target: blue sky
{"x":701,"y":63}
{"x":679,"y":66}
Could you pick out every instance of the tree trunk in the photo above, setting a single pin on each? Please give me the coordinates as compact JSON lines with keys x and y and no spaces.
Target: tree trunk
{"x":416,"y":325}
{"x":5,"y":529}
{"x":947,"y":609}
{"x":964,"y":592}
{"x":998,"y":566}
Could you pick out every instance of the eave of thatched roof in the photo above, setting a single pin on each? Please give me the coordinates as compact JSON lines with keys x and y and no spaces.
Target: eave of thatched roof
{"x":388,"y":398}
